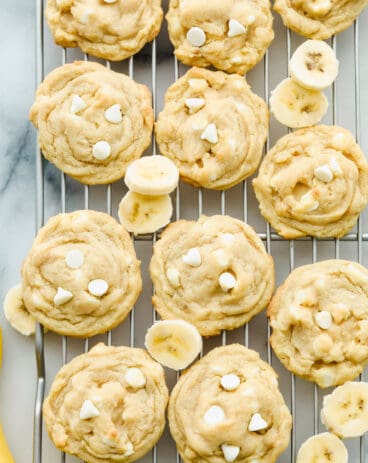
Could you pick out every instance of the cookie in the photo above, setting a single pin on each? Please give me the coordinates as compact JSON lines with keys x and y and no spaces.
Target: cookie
{"x":231,"y":35}
{"x":214,"y":273}
{"x":319,"y":19}
{"x":81,"y":276}
{"x":313,"y":182}
{"x":319,"y":318}
{"x":213,"y":127}
{"x":227,"y":407}
{"x":107,"y":405}
{"x":92,"y":122}
{"x":110,"y":29}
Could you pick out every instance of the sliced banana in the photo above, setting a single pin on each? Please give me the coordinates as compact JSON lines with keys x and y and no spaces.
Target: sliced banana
{"x":296,"y":106}
{"x":325,"y":447}
{"x":17,"y":314}
{"x":152,"y":176}
{"x":345,"y":411}
{"x":144,"y":214}
{"x":173,"y":343}
{"x":314,"y":65}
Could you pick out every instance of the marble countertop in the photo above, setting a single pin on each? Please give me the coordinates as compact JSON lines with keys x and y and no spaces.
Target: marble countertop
{"x":18,"y":194}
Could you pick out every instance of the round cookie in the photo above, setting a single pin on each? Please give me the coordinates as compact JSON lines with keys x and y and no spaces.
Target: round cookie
{"x":319,"y":19}
{"x":319,"y":318}
{"x":110,"y":29}
{"x":313,"y":182}
{"x":202,"y":99}
{"x":107,"y":405}
{"x":81,"y":276}
{"x":227,"y":407}
{"x":92,"y":122}
{"x":214,"y":273}
{"x":231,"y":35}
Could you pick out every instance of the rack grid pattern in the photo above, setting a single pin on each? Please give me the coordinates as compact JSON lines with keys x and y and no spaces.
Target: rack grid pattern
{"x":289,"y":383}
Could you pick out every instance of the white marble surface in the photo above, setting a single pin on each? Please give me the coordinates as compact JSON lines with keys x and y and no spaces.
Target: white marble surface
{"x":17,"y":213}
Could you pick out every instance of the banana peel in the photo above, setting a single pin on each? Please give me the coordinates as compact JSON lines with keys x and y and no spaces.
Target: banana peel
{"x":5,"y":455}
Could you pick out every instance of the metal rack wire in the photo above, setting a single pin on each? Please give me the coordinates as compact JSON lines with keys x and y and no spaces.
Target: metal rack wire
{"x":271,"y":239}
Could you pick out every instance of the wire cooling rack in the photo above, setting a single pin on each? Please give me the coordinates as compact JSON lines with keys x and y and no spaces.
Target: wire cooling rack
{"x":157,"y":68}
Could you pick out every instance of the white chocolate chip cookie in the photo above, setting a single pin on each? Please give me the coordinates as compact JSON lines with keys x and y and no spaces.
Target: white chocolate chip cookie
{"x":92,"y":122}
{"x":313,"y":182}
{"x":214,"y":273}
{"x":213,"y":127}
{"x":319,"y":19}
{"x":93,"y":296}
{"x":110,"y":29}
{"x":319,"y":318}
{"x":231,"y":35}
{"x":107,"y":405}
{"x":247,"y":423}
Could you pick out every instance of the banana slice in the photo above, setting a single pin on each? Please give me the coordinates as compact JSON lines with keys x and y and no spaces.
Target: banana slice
{"x":325,"y":447}
{"x":144,"y":214}
{"x":17,"y":314}
{"x":173,"y":343}
{"x":314,"y":65}
{"x":296,"y":106}
{"x":345,"y":411}
{"x":152,"y":176}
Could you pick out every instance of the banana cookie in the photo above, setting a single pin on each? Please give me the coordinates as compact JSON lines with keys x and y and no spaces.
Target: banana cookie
{"x":227,"y":407}
{"x":214,"y":273}
{"x":231,"y":35}
{"x":81,"y":276}
{"x":319,"y":318}
{"x":319,"y":19}
{"x":92,"y":122}
{"x":107,"y":405}
{"x":313,"y":182}
{"x":110,"y":29}
{"x":213,"y":127}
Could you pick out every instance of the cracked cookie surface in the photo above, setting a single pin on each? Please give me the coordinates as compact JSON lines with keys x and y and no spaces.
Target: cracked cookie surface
{"x":107,"y":405}
{"x":113,"y":30}
{"x":202,"y":99}
{"x":92,"y":122}
{"x":319,"y":318}
{"x":228,"y":405}
{"x":81,"y":276}
{"x":214,"y":273}
{"x":314,"y":182}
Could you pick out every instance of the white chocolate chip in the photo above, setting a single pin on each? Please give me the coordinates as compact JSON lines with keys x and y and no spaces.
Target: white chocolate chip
{"x":335,"y":167}
{"x":237,"y":59}
{"x":194,"y":104}
{"x":196,"y":36}
{"x":227,"y":238}
{"x":323,"y":173}
{"x":192,"y":258}
{"x":113,"y":114}
{"x":257,"y":423}
{"x":173,"y":276}
{"x":88,"y":411}
{"x":129,"y":450}
{"x":308,"y":202}
{"x":320,"y":6}
{"x":135,"y":378}
{"x":77,"y":104}
{"x":230,"y":452}
{"x":210,"y":134}
{"x":101,"y":150}
{"x":84,"y":18}
{"x":98,"y":287}
{"x":221,"y":257}
{"x":235,"y":28}
{"x":214,"y":415}
{"x":230,"y":382}
{"x":74,"y":259}
{"x":227,"y":281}
{"x":199,"y":85}
{"x":323,"y":319}
{"x":251,"y":18}
{"x":62,"y":296}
